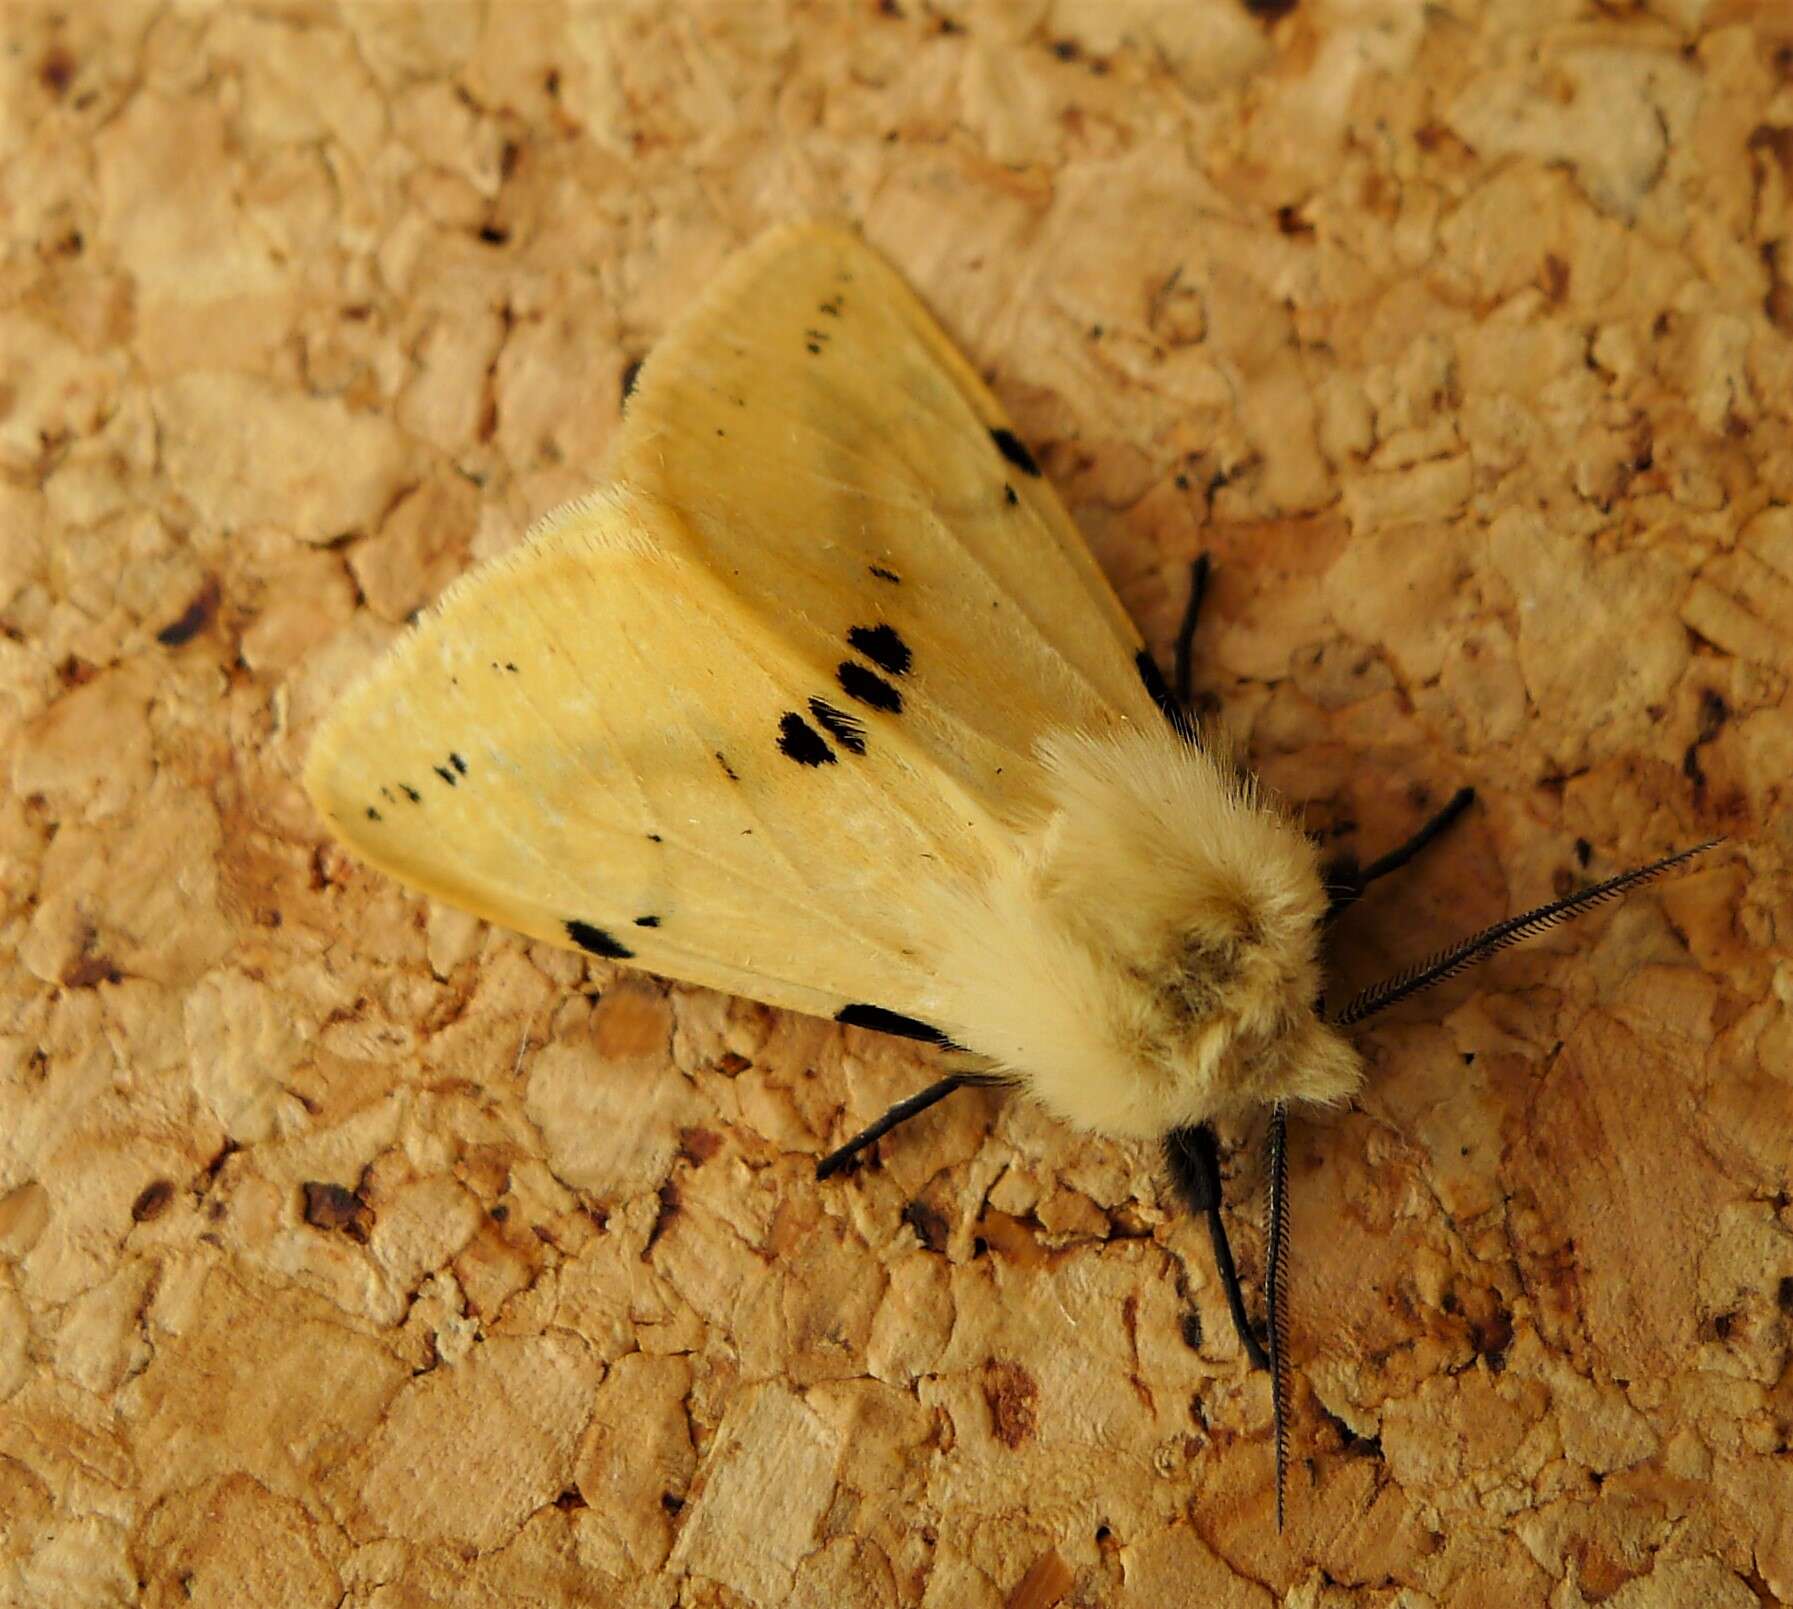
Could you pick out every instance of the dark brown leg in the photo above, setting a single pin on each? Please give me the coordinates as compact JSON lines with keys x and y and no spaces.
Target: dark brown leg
{"x":1181,"y":675}
{"x":1345,"y":881}
{"x":1193,"y":1155}
{"x":900,"y":1113}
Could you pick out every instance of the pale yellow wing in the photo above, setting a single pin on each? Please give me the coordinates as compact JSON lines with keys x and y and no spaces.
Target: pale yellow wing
{"x":838,"y":464}
{"x":723,"y":719}
{"x":578,"y":744}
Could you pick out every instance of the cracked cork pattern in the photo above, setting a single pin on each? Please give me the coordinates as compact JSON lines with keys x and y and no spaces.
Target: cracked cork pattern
{"x":351,"y":1252}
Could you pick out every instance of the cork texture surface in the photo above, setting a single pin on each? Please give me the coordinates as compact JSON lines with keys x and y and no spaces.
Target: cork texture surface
{"x":354,"y":1252}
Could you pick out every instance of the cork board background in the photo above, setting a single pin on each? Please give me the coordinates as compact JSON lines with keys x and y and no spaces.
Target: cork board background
{"x":354,"y":1253}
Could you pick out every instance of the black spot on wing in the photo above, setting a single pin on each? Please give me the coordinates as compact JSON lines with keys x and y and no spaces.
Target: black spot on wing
{"x":373,"y":814}
{"x":890,"y":1022}
{"x":631,"y":373}
{"x":647,"y":921}
{"x":868,"y":687}
{"x":595,"y":941}
{"x":1160,"y":694}
{"x":831,"y":307}
{"x":458,"y":763}
{"x":839,"y":725}
{"x":1009,"y":445}
{"x":410,"y":793}
{"x":655,"y":838}
{"x":883,"y":647}
{"x":1008,"y":494}
{"x":799,"y":741}
{"x":885,"y":575}
{"x":727,"y":770}
{"x":445,"y":774}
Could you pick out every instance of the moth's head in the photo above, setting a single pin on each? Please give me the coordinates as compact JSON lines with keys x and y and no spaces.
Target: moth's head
{"x":1154,"y":959}
{"x":1216,"y":981}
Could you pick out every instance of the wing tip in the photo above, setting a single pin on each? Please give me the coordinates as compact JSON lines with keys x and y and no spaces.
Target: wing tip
{"x":608,"y":518}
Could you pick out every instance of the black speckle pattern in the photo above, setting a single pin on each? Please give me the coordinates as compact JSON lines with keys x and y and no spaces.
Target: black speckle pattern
{"x":883,"y":647}
{"x":839,"y":725}
{"x":727,"y":770}
{"x":890,"y":1022}
{"x":1009,"y":445}
{"x":445,"y":774}
{"x":595,"y":941}
{"x":885,"y":575}
{"x":799,"y":741}
{"x":410,"y":793}
{"x":868,"y":688}
{"x":647,"y":921}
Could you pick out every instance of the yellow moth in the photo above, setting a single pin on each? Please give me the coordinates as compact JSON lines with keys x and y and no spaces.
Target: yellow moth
{"x":823,"y":701}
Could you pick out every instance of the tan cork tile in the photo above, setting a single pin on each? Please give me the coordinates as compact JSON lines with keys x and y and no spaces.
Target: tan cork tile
{"x":353,"y":1252}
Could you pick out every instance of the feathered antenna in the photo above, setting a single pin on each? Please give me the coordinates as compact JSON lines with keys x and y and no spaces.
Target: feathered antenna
{"x":1276,"y":1265}
{"x":1378,"y":997}
{"x":1490,"y":941}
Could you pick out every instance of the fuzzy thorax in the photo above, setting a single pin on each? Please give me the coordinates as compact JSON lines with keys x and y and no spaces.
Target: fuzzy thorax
{"x":1149,"y":956}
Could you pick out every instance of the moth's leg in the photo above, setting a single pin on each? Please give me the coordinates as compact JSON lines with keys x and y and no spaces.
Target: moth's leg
{"x":1193,"y":1155}
{"x":1180,"y":663}
{"x":900,"y":1113}
{"x":1174,"y":705}
{"x":1346,"y":880}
